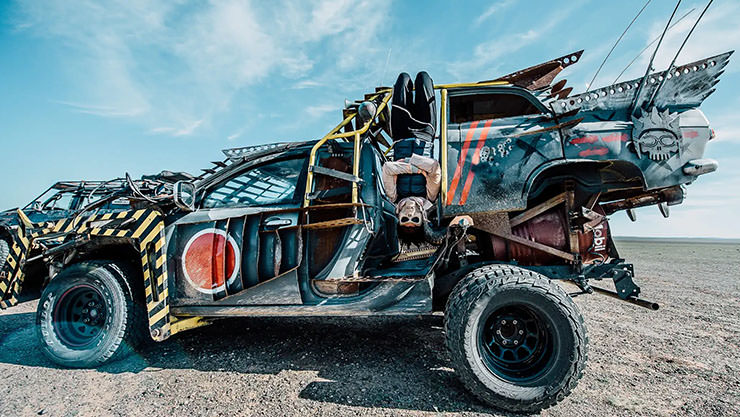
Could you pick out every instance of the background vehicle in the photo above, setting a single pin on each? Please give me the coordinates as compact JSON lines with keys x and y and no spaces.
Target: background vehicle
{"x":528,"y":177}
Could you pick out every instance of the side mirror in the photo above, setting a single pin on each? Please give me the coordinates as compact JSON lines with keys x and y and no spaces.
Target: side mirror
{"x":184,"y":195}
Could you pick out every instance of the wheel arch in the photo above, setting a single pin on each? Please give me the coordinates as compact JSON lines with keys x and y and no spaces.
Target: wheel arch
{"x":144,"y":270}
{"x":601,"y":175}
{"x":115,"y":250}
{"x":445,"y":283}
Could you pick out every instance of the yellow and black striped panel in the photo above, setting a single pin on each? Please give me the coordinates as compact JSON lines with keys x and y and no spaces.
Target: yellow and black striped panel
{"x":11,"y":275}
{"x":146,"y":229}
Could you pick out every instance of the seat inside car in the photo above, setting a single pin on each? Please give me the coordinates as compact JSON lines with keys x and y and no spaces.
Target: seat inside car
{"x":413,"y":127}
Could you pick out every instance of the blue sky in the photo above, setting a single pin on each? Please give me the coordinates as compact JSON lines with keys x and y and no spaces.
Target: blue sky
{"x":93,"y":89}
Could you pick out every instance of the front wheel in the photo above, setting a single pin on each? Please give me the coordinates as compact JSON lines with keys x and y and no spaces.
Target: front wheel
{"x":87,"y":316}
{"x":4,"y":252}
{"x":516,"y":339}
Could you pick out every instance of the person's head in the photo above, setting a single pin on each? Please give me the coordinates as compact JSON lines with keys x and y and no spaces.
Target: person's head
{"x":410,"y":213}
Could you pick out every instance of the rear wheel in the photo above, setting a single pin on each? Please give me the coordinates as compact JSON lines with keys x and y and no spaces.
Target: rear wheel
{"x":87,"y":316}
{"x":516,"y":339}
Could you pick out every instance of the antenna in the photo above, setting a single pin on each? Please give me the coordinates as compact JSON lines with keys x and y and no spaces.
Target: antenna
{"x":615,"y":45}
{"x":670,"y":67}
{"x":652,"y":58}
{"x":616,"y":80}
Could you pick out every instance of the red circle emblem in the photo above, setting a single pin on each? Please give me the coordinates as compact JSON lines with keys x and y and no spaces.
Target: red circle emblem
{"x":209,"y":260}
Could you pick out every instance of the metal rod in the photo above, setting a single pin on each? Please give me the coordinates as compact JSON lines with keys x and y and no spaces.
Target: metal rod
{"x":632,"y":300}
{"x":443,"y":143}
{"x":670,"y":67}
{"x":590,"y":84}
{"x":650,"y":64}
{"x":334,"y":135}
{"x":616,"y":80}
{"x":356,"y":168}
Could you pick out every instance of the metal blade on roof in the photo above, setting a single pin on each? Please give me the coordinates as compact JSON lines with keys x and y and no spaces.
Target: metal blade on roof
{"x":540,"y":76}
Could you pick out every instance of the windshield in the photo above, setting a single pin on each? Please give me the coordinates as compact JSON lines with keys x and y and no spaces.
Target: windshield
{"x":62,"y":200}
{"x":51,"y":198}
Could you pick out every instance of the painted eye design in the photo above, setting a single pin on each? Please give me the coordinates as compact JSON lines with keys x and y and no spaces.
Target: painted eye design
{"x":667,"y":140}
{"x":649,"y":140}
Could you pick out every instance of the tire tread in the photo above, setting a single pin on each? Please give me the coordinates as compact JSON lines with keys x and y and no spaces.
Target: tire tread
{"x":488,"y":279}
{"x":135,"y":330}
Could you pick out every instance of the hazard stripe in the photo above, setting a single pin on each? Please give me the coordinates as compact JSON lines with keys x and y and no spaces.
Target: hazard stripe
{"x":475,"y":160}
{"x":163,"y":323}
{"x":67,"y":227}
{"x":58,"y":226}
{"x":461,"y":162}
{"x":157,"y":315}
{"x":158,"y":246}
{"x":147,"y":230}
{"x":145,"y":224}
{"x":151,"y":232}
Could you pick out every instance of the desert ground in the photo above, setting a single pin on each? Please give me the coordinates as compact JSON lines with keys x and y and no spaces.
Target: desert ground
{"x":681,"y":360}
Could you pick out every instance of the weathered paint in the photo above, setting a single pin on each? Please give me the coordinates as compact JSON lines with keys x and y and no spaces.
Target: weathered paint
{"x":146,"y":232}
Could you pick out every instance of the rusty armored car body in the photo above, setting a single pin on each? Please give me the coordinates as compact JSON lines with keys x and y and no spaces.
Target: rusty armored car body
{"x":527,"y":175}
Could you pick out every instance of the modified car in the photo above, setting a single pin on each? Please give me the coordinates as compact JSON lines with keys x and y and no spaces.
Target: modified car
{"x":506,"y":186}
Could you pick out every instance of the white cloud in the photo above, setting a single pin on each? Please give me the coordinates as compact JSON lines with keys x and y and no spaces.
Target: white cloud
{"x":493,"y":9}
{"x":321,"y":109}
{"x":102,"y":110}
{"x":236,"y":135}
{"x":174,"y":66}
{"x":717,"y":32}
{"x":727,"y":133}
{"x":303,"y":84}
{"x":725,"y":127}
{"x":186,"y":130}
{"x":487,"y":53}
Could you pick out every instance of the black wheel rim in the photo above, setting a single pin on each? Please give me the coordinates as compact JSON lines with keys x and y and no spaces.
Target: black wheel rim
{"x":516,"y":344}
{"x":79,"y":316}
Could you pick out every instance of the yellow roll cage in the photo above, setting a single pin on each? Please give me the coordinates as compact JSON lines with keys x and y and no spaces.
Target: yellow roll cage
{"x":351,"y":113}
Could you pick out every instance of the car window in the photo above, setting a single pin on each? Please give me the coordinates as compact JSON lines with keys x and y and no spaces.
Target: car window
{"x":268,"y":184}
{"x":473,"y":107}
{"x":60,"y":201}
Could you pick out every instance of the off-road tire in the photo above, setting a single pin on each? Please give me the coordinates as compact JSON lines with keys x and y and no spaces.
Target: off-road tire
{"x":503,"y":285}
{"x":123,"y":329}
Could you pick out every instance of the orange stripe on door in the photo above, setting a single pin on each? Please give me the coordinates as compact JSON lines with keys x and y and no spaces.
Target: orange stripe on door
{"x":475,"y":161}
{"x":461,"y":162}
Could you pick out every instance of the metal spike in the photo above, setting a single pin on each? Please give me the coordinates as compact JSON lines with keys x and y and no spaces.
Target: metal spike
{"x":664,"y":209}
{"x":557,"y":87}
{"x":632,"y":214}
{"x":563,"y":94}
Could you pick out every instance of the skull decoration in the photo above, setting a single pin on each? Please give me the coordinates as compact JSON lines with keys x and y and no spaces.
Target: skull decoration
{"x":410,"y":212}
{"x":657,"y":134}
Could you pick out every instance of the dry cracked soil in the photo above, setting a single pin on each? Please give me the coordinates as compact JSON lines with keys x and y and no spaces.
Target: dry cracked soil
{"x":681,"y":360}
